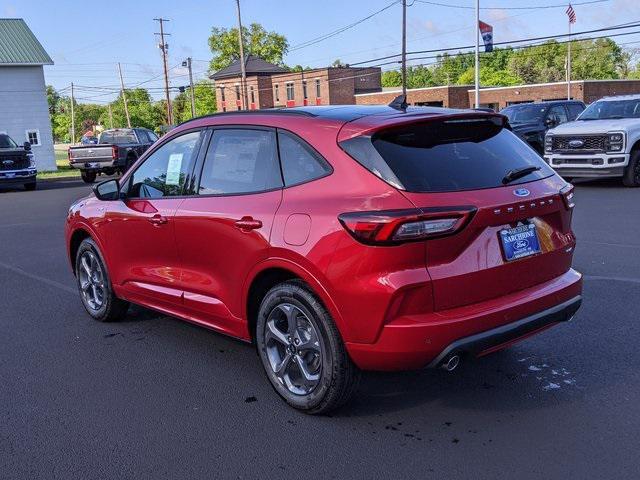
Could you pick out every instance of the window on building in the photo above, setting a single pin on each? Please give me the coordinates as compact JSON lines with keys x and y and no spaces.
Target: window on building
{"x":222,"y":94}
{"x":253,"y":96}
{"x":300,"y":163}
{"x":304,"y":89}
{"x":290,"y":93}
{"x":318,"y":89}
{"x":240,"y":161}
{"x":33,"y":137}
{"x":237,"y":92}
{"x":276,"y":93}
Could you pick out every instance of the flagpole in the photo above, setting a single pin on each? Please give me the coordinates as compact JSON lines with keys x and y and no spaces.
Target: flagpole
{"x":569,"y":63}
{"x":477,"y":73}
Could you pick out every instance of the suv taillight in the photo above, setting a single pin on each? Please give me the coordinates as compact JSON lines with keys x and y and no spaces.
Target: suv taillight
{"x":391,"y":227}
{"x":114,"y":152}
{"x":566,"y":193}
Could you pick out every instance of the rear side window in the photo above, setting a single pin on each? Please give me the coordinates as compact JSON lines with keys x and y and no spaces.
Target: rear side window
{"x":300,"y":163}
{"x":240,"y":161}
{"x":446,"y":156}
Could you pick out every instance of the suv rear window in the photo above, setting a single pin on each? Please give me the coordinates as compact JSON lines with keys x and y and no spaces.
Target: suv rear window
{"x":447,"y":155}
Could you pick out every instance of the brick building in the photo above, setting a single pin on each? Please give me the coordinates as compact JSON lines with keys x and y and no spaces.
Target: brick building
{"x":270,"y":85}
{"x":462,"y":96}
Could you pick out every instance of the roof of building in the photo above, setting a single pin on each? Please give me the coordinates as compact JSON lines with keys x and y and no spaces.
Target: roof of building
{"x":252,"y":65}
{"x":19,"y":46}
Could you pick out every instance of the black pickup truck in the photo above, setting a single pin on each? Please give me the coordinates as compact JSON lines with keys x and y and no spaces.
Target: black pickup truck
{"x":116,"y":150}
{"x":530,"y":121}
{"x":17,"y":165}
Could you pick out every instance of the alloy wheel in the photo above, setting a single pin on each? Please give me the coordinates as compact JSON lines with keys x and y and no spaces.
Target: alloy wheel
{"x":91,"y":278}
{"x":293,"y":349}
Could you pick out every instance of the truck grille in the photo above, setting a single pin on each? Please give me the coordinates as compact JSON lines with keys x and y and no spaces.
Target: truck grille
{"x":13,"y":163}
{"x":591,"y":143}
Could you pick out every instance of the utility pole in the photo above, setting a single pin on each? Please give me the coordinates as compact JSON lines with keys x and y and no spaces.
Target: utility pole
{"x":73,"y":118}
{"x":404,"y":48}
{"x":124,"y":96}
{"x":110,"y":116}
{"x":242,"y":66}
{"x":477,"y":73}
{"x":187,"y":64}
{"x":164,"y":47}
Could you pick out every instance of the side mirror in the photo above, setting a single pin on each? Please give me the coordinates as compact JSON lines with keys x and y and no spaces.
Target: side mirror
{"x":107,"y":190}
{"x":27,"y":146}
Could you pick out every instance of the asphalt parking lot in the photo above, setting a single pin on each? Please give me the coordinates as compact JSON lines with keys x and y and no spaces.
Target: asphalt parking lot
{"x":154,"y":397}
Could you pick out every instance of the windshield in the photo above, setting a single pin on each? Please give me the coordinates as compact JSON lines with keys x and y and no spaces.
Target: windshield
{"x":6,"y":141}
{"x":447,"y":156}
{"x":118,"y":137}
{"x":531,"y":113}
{"x":609,"y":109}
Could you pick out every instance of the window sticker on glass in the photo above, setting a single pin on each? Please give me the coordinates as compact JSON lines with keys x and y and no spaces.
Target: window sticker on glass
{"x":173,"y":169}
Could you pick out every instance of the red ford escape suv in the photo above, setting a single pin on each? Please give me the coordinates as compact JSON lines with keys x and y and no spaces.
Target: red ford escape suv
{"x":338,"y":239}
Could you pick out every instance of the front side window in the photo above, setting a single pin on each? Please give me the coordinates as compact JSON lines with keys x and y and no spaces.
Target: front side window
{"x":290,"y":93}
{"x":300,"y":163}
{"x":165,"y":172}
{"x":558,"y":113}
{"x":240,"y":161}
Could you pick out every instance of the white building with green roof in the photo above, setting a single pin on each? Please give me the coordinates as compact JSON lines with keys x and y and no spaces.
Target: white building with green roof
{"x":24,"y":112}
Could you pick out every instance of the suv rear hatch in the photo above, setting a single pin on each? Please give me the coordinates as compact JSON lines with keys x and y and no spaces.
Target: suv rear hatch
{"x":496,"y":219}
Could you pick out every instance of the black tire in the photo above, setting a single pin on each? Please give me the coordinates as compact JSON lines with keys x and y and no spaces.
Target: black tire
{"x":30,"y":187}
{"x":631,"y":176}
{"x":88,"y":177}
{"x":111,"y":307}
{"x":338,"y":376}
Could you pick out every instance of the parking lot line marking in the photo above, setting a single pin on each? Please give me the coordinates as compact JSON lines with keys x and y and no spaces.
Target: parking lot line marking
{"x":33,"y":276}
{"x":609,"y":244}
{"x":615,"y":279}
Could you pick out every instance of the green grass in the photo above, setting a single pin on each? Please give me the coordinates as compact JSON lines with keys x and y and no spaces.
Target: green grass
{"x":64,"y":170}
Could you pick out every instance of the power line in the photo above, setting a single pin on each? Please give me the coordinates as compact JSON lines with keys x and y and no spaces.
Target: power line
{"x":547,"y":37}
{"x":321,"y":38}
{"x":538,"y":7}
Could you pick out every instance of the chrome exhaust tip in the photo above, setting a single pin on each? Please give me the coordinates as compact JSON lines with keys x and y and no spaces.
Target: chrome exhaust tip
{"x":451,"y":363}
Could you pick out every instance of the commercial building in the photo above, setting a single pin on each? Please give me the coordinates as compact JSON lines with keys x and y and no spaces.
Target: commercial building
{"x":24,"y":111}
{"x":270,"y":85}
{"x":463,"y":96}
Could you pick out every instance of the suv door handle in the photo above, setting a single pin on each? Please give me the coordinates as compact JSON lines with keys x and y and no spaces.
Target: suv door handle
{"x":248,"y":223}
{"x":158,"y":220}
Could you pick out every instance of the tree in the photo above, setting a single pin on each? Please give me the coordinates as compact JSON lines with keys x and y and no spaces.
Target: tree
{"x":143,"y":111}
{"x":489,"y":77}
{"x":205,"y":101}
{"x":223,"y":42}
{"x":419,"y":77}
{"x":391,"y":78}
{"x":337,"y":63}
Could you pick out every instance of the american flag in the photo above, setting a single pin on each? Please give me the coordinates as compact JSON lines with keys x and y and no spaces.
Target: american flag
{"x":571,"y":13}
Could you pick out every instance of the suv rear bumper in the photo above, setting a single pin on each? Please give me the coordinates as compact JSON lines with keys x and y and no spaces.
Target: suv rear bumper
{"x":588,"y":165}
{"x":418,"y":341}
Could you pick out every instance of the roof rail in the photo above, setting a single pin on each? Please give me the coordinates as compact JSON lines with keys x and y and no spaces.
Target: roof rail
{"x":264,"y":111}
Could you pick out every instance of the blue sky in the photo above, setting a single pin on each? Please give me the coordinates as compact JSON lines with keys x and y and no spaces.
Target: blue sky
{"x":85,"y":50}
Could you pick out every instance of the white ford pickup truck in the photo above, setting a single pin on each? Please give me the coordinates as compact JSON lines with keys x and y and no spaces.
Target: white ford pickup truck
{"x":604,"y":141}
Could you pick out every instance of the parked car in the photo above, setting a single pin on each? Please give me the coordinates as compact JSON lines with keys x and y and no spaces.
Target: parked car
{"x":117,"y":149}
{"x":337,"y":239}
{"x":603,"y":142}
{"x":17,"y":165}
{"x":530,"y":121}
{"x":88,"y":140}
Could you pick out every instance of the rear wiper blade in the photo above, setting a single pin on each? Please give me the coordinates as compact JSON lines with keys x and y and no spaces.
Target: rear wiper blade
{"x":517,"y":173}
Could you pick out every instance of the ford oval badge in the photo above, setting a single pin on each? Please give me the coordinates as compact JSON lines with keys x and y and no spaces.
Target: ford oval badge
{"x":521,"y":192}
{"x":576,"y":143}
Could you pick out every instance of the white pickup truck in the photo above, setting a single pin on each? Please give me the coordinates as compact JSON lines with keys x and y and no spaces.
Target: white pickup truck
{"x":604,"y":141}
